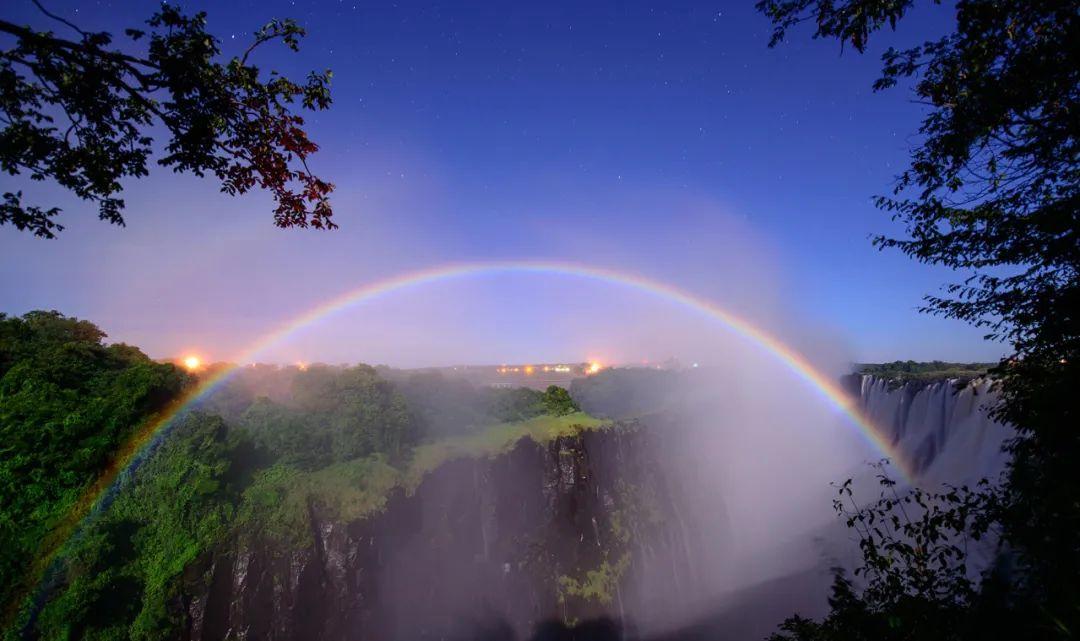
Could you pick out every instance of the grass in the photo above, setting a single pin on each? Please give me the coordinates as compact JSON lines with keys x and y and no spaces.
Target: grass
{"x":278,"y":504}
{"x":494,"y":440}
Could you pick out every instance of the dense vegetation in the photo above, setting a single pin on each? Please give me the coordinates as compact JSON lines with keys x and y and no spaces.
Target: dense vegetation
{"x":992,"y":191}
{"x":67,"y":401}
{"x":924,"y":371}
{"x":122,"y":572}
{"x":253,"y":460}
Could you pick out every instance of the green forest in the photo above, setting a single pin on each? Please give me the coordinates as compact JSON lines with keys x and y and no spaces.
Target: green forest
{"x":252,"y":459}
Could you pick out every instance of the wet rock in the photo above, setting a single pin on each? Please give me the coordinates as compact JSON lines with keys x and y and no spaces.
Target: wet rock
{"x":510,"y":539}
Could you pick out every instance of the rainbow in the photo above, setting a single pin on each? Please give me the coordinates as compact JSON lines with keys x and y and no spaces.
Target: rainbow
{"x":151,"y":431}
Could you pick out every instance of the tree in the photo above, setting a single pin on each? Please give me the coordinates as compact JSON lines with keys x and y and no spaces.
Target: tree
{"x":917,"y":580}
{"x":993,"y":191}
{"x":361,"y":412}
{"x":67,"y":402}
{"x":558,"y":402}
{"x":79,"y":112}
{"x":515,"y":404}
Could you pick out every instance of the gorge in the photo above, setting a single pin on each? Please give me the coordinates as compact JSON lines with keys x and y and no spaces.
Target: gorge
{"x":344,"y":503}
{"x":579,"y":527}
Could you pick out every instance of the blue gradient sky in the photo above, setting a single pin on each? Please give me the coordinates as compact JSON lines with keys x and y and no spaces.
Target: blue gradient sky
{"x":662,"y":138}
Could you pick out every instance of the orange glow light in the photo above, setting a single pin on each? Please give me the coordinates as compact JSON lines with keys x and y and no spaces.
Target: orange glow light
{"x":594,"y":367}
{"x":192,"y":363}
{"x":528,"y":369}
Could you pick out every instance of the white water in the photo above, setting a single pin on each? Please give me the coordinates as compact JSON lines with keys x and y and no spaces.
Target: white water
{"x":945,"y":430}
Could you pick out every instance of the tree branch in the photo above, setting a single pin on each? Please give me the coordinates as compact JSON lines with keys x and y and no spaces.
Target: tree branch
{"x":58,"y":18}
{"x":49,"y":40}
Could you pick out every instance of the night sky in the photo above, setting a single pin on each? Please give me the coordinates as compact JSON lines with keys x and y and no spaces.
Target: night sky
{"x":664,"y":139}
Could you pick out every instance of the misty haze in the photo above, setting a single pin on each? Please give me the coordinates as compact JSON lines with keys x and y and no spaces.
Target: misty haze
{"x":637,"y":321}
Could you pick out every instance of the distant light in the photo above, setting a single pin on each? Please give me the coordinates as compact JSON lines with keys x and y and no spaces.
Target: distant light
{"x":528,"y":369}
{"x":695,"y":365}
{"x":594,"y":367}
{"x":192,"y":363}
{"x":302,"y":366}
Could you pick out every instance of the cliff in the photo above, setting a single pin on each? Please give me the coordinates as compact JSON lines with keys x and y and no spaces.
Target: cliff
{"x":944,"y":427}
{"x":578,"y":527}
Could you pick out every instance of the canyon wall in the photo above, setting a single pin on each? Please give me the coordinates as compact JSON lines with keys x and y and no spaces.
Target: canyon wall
{"x":943,"y":427}
{"x":575,"y":528}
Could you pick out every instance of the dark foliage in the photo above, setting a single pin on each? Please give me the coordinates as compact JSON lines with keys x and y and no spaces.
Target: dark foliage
{"x":993,"y":192}
{"x":904,"y":371}
{"x":80,"y":112}
{"x":917,"y":579}
{"x":918,"y":368}
{"x":993,"y":186}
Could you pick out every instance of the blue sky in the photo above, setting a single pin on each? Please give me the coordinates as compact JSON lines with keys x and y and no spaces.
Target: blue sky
{"x":660,"y":138}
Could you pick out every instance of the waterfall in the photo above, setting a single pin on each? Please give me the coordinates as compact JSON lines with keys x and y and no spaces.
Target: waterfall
{"x":943,"y":427}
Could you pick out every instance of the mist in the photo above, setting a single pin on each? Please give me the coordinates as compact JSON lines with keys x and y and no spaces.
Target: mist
{"x":559,"y":321}
{"x":749,"y":447}
{"x":753,"y":452}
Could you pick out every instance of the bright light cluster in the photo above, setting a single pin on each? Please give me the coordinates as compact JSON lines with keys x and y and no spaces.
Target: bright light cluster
{"x":529,"y":370}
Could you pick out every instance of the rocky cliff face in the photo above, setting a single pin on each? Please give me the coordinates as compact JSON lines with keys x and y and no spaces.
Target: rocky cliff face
{"x":943,"y":427}
{"x":575,"y":528}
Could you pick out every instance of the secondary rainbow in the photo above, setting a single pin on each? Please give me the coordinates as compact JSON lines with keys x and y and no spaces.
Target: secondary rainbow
{"x":153,"y":429}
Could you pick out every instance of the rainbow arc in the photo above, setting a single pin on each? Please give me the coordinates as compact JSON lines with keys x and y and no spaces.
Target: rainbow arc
{"x":151,"y":431}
